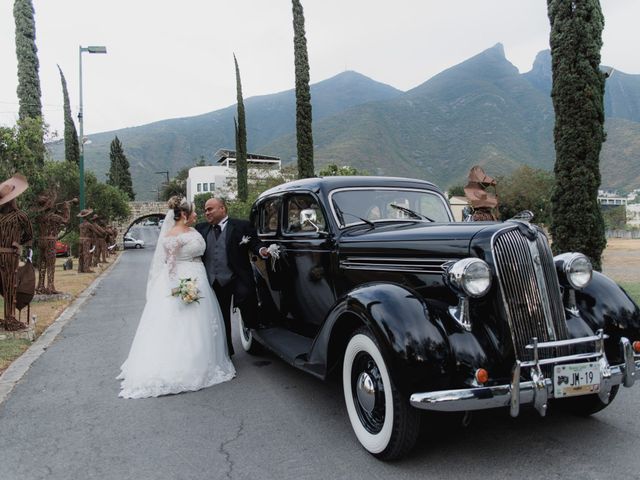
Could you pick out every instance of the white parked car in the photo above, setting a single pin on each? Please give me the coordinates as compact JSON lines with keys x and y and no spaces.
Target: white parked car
{"x":130,"y":242}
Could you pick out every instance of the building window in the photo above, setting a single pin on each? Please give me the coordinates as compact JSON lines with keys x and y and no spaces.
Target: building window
{"x":212,"y":187}
{"x":199,"y":187}
{"x":205,"y":187}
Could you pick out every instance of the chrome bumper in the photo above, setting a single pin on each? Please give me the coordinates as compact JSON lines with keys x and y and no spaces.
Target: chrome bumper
{"x":539,"y":389}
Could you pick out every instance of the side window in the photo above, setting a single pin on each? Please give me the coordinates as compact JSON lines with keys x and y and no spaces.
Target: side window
{"x":294,"y":208}
{"x":205,"y":187}
{"x":199,"y":187}
{"x":212,"y":187}
{"x":269,"y":216}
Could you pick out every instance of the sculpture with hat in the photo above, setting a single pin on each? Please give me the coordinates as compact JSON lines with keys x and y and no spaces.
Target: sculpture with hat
{"x":86,"y":242}
{"x":50,"y":222}
{"x":15,"y":232}
{"x":478,"y":192}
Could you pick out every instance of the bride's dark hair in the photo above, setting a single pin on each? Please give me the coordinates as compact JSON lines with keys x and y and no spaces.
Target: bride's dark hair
{"x":179,"y":204}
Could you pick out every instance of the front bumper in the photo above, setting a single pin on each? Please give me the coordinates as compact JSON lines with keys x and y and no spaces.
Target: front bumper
{"x":539,"y":389}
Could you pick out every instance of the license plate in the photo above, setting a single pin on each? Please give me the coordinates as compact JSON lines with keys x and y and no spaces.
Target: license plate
{"x":576,"y":379}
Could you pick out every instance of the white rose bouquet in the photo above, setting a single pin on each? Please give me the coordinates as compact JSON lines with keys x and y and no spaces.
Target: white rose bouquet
{"x":187,"y":291}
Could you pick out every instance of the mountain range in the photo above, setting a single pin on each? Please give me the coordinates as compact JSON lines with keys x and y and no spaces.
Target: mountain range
{"x":479,"y":112}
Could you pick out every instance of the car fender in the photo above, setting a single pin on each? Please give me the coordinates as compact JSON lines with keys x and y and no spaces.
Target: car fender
{"x":408,"y":330}
{"x":603,"y":304}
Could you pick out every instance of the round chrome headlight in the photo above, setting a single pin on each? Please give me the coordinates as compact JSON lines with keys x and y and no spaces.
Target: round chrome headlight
{"x":470,"y":276}
{"x":574,"y":269}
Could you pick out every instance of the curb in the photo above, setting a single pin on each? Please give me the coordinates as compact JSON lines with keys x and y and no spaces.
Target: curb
{"x":19,"y":367}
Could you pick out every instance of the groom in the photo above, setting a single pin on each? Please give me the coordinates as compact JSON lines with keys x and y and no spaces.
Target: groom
{"x":226,"y":259}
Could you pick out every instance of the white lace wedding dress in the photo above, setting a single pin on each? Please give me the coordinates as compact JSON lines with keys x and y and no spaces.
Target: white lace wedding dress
{"x":178,"y":347}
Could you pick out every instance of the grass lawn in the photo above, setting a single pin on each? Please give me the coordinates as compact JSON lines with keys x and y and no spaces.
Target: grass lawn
{"x":633,"y":289}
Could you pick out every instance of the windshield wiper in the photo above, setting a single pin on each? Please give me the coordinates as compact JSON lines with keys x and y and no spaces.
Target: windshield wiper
{"x":410,"y":212}
{"x":341,"y":214}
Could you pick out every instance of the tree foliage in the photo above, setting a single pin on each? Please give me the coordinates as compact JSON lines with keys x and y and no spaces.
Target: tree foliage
{"x":119,"y":175}
{"x":333,"y":170}
{"x":29,"y":93}
{"x":241,"y":139}
{"x":526,"y":189}
{"x":304,"y":135}
{"x":577,"y":94}
{"x":71,"y":144}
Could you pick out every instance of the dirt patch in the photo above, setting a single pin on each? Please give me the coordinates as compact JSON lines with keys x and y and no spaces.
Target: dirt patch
{"x":621,"y":260}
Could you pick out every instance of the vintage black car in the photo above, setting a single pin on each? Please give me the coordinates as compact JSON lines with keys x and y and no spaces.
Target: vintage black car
{"x":376,"y":283}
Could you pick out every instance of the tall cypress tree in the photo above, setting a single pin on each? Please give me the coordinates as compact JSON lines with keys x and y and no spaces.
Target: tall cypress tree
{"x":577,"y":94}
{"x":28,"y":79}
{"x":71,"y":145}
{"x":241,"y":140}
{"x":304,"y":136}
{"x":119,"y":175}
{"x":28,"y":65}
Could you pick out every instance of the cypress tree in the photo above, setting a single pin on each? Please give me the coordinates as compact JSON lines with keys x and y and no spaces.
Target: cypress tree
{"x":241,"y":140}
{"x":119,"y":175}
{"x":71,"y":145}
{"x":577,"y":94}
{"x":28,"y":79}
{"x":304,"y":136}
{"x":28,"y":65}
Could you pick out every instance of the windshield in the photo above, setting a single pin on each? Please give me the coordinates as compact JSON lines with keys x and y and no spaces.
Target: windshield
{"x":384,"y":204}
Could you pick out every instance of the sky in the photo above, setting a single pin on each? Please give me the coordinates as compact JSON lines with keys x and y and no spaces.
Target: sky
{"x":168,"y":59}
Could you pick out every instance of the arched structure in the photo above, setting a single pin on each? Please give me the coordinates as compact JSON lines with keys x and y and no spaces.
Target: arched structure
{"x":139,"y":211}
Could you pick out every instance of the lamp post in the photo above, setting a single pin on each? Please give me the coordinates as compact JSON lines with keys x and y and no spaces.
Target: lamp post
{"x":92,"y":49}
{"x":166,"y":172}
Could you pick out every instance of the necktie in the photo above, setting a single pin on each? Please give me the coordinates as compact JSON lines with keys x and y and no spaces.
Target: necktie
{"x":217,"y":231}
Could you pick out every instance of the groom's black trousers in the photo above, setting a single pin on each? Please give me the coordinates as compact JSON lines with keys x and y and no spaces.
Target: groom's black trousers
{"x":248,"y":308}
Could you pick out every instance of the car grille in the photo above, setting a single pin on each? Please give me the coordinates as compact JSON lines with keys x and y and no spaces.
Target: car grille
{"x":530,"y":290}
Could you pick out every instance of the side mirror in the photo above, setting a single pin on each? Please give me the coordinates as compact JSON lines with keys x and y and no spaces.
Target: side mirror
{"x":308,"y":216}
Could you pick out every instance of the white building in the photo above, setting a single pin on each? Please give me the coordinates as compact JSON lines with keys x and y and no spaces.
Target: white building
{"x":221,"y":179}
{"x":633,"y":214}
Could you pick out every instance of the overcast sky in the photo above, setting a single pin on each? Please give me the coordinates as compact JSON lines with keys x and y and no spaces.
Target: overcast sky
{"x":169,"y":59}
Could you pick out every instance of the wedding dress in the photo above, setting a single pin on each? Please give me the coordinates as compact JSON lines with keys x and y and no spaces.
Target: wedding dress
{"x":178,"y":346}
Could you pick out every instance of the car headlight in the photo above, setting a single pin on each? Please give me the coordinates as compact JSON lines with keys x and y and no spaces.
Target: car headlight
{"x":470,"y":276}
{"x":574,"y":270}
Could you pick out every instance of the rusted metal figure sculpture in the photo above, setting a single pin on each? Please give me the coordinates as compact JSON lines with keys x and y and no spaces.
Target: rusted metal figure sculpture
{"x":478,"y":192}
{"x":112,"y":235}
{"x":50,"y":222}
{"x":86,"y":239}
{"x":99,"y":240}
{"x":15,"y":232}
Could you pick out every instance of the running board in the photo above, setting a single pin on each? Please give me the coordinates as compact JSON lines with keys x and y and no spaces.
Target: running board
{"x":289,"y":346}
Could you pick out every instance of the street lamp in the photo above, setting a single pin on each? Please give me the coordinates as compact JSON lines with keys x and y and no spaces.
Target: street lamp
{"x":92,"y":49}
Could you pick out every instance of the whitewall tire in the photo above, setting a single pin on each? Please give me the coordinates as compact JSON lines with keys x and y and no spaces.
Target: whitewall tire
{"x":249,"y":343}
{"x":384,"y":422}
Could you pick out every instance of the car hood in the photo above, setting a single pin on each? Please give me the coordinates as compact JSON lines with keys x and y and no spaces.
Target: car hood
{"x":444,"y":240}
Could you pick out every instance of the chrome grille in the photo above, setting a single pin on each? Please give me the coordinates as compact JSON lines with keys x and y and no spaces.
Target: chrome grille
{"x":530,"y":290}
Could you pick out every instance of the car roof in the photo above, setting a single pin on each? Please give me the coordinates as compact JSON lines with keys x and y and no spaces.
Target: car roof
{"x":327,"y":184}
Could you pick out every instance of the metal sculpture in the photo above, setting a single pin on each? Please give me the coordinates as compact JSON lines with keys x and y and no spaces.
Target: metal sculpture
{"x":482,"y":199}
{"x":86,"y":242}
{"x":50,"y":222}
{"x":99,"y":241}
{"x":15,"y":232}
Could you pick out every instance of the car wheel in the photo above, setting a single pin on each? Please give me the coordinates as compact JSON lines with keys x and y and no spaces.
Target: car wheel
{"x":249,"y":343}
{"x":382,"y":419}
{"x":585,"y":405}
{"x":138,"y":245}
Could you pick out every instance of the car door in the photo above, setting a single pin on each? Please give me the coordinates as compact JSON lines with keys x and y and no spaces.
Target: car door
{"x":306,"y":292}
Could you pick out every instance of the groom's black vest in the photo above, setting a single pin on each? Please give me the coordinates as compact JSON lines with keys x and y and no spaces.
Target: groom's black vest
{"x":216,"y":253}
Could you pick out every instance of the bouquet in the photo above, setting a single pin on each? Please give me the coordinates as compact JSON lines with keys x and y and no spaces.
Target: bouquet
{"x":187,"y":291}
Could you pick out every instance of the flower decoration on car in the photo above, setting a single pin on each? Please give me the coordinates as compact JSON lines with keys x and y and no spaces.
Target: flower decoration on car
{"x":245,"y":240}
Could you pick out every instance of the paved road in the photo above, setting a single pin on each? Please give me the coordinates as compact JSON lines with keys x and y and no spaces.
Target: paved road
{"x":65,"y":421}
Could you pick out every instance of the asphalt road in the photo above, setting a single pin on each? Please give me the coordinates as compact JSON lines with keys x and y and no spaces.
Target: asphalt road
{"x":64,"y":420}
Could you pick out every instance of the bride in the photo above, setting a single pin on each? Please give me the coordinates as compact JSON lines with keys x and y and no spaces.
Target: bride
{"x":178,"y":346}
